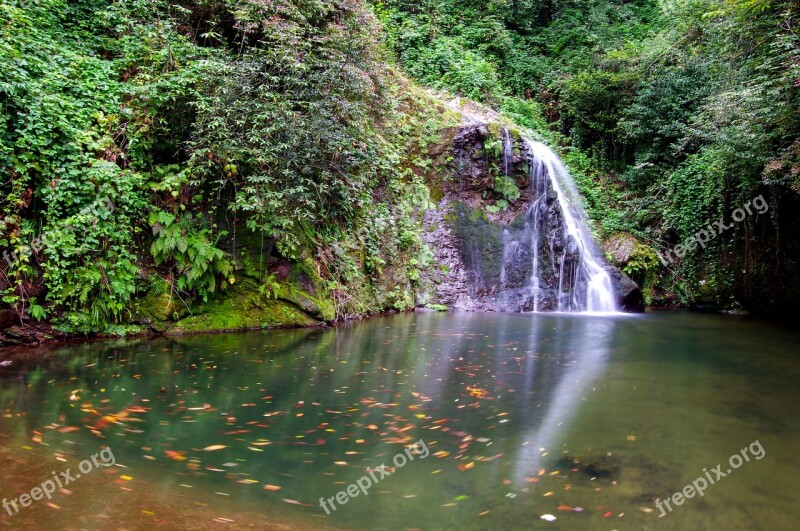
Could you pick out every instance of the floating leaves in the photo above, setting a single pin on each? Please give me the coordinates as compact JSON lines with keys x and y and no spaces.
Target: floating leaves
{"x":295,"y":502}
{"x":214,"y":447}
{"x":177,"y":456}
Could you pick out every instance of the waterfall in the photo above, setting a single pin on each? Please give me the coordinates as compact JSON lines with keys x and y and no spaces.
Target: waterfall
{"x":535,"y":214}
{"x":583,"y":284}
{"x":508,"y":152}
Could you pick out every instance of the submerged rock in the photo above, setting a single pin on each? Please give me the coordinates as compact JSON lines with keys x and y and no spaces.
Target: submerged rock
{"x":606,"y":467}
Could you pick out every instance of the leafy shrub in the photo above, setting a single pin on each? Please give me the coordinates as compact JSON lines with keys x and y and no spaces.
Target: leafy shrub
{"x":186,"y":248}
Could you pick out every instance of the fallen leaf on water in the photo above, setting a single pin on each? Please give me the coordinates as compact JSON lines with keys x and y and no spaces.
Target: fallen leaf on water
{"x":214,"y":447}
{"x":177,"y":456}
{"x":295,"y":502}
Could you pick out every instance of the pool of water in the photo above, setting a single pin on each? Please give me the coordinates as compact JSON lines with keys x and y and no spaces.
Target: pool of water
{"x":583,"y":420}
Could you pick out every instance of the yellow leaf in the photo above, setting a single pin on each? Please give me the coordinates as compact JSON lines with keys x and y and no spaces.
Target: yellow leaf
{"x":214,"y":448}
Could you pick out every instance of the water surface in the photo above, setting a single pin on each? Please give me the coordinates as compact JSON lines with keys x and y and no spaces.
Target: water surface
{"x":585,"y":418}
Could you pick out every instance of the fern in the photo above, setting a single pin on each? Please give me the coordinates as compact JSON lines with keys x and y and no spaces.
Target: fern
{"x":188,"y":251}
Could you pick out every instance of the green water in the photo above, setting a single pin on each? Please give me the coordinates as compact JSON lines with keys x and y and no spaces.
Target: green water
{"x":588,"y":419}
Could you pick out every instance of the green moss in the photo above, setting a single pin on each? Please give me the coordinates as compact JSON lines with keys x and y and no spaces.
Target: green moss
{"x":320,"y":307}
{"x":436,"y":188}
{"x":160,"y":303}
{"x":242,"y":307}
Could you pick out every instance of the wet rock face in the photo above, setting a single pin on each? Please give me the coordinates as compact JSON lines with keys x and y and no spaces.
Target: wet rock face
{"x":629,"y":296}
{"x":499,"y":259}
{"x":485,"y":255}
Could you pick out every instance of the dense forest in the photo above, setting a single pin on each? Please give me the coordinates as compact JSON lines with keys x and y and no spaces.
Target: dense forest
{"x":284,"y":151}
{"x":673,"y":113}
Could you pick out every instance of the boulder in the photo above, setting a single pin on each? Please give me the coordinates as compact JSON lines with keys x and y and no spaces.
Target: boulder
{"x":629,"y":295}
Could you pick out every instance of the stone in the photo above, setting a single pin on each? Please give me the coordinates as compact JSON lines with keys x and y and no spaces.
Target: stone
{"x":620,"y":247}
{"x":629,"y":295}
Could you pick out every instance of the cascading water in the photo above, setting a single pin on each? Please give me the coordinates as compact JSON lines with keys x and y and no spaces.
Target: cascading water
{"x":583,"y":284}
{"x":535,"y":215}
{"x":508,"y":152}
{"x":513,"y":258}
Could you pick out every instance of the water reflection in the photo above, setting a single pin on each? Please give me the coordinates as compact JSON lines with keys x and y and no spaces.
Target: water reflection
{"x":586,"y":349}
{"x":310,"y":410}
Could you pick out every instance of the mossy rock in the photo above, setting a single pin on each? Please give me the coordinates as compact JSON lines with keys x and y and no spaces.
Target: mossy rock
{"x":316,"y":307}
{"x":159,"y":304}
{"x":242,"y":307}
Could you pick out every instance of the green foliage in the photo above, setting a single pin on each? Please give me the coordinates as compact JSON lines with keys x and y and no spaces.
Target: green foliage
{"x":284,"y":118}
{"x":590,"y":105}
{"x":186,"y":249}
{"x":669,"y":113}
{"x":643,"y":263}
{"x":202,"y":119}
{"x":270,"y":287}
{"x":506,"y":188}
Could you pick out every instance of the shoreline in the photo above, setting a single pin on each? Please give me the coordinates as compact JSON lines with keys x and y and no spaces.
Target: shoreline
{"x":25,"y":354}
